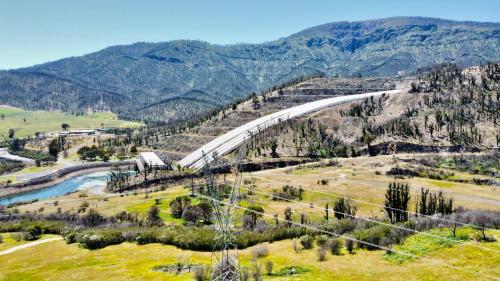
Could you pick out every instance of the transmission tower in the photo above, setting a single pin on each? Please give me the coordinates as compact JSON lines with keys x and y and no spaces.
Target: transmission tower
{"x":225,"y":265}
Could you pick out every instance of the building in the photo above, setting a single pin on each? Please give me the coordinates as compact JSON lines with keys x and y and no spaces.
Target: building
{"x":77,"y":133}
{"x":151,"y":159}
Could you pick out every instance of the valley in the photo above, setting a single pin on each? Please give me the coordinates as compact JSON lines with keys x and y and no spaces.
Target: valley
{"x":363,"y":150}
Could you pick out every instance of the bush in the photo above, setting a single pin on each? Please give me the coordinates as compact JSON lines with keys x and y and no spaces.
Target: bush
{"x":375,"y":235}
{"x":335,"y":245}
{"x":34,"y":154}
{"x":257,"y":272}
{"x":201,"y":273}
{"x":178,"y":205}
{"x":349,"y":244}
{"x":33,"y":232}
{"x":153,"y":218}
{"x":321,"y":252}
{"x":307,"y":241}
{"x":260,"y":251}
{"x":47,"y":227}
{"x":288,"y":192}
{"x":100,"y":239}
{"x":1,"y":239}
{"x":244,"y":274}
{"x":322,"y":241}
{"x":342,"y":226}
{"x":17,"y":236}
{"x":70,"y":237}
{"x":269,"y":267}
{"x":295,"y":246}
{"x":92,"y":218}
{"x":291,"y":270}
{"x":147,"y":237}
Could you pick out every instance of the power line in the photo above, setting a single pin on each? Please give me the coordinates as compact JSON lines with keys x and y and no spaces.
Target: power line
{"x":371,"y":220}
{"x":352,"y":239}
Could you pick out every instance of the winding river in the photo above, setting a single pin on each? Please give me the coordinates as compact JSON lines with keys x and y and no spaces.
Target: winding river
{"x":94,"y":182}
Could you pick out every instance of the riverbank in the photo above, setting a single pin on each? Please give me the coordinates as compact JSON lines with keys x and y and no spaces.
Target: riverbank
{"x":60,"y":176}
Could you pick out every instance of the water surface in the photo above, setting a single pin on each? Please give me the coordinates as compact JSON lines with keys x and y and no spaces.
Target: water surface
{"x":94,"y":182}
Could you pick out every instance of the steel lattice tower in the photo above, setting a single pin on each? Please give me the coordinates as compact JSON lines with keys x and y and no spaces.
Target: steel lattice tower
{"x":225,"y":265}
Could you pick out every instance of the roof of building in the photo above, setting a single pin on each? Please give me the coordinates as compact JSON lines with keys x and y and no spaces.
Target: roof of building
{"x":152,"y":159}
{"x":85,"y":131}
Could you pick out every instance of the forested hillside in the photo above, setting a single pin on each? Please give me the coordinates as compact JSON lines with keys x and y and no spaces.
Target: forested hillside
{"x":181,"y":80}
{"x":445,"y":109}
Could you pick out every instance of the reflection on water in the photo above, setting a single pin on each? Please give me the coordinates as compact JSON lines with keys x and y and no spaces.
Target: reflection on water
{"x":94,"y":182}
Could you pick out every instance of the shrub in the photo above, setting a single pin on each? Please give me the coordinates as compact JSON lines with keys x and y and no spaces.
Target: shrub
{"x":17,"y":236}
{"x":288,"y":192}
{"x":257,"y":272}
{"x":321,"y":252}
{"x":335,"y":245}
{"x":260,"y":251}
{"x":1,"y":239}
{"x":374,"y":235}
{"x":92,"y":218}
{"x":147,"y":237}
{"x":322,"y":241}
{"x":244,"y":274}
{"x":349,"y":244}
{"x":100,"y":239}
{"x":201,"y":273}
{"x":83,"y":207}
{"x":295,"y":246}
{"x":70,"y":237}
{"x":269,"y":267}
{"x":291,"y":270}
{"x":251,"y":215}
{"x":33,"y":232}
{"x":341,"y":226}
{"x":130,"y":235}
{"x":307,"y":241}
{"x":178,"y":205}
{"x":153,"y":218}
{"x":344,"y":208}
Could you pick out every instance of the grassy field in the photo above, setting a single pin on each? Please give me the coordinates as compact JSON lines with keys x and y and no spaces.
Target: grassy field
{"x":69,"y":262}
{"x":109,"y":206}
{"x":45,"y":121}
{"x":358,"y":183}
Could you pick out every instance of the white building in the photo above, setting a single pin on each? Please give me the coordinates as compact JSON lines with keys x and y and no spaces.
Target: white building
{"x":150,"y":159}
{"x":77,"y":133}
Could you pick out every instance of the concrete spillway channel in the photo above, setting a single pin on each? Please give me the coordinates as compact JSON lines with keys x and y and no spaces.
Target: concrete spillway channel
{"x":231,"y":140}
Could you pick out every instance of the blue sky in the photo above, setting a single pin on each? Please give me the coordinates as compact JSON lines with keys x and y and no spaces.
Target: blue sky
{"x":38,"y":31}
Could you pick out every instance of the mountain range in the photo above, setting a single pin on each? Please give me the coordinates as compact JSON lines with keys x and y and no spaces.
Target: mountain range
{"x":182,"y":79}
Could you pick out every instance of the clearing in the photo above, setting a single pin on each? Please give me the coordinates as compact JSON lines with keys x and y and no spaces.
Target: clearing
{"x":47,"y":121}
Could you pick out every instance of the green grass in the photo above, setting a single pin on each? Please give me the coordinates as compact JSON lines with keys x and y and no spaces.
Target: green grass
{"x":420,"y":245}
{"x":129,"y":261}
{"x":442,"y":183}
{"x":164,"y":206}
{"x":45,"y":121}
{"x":304,"y":171}
{"x":9,"y":242}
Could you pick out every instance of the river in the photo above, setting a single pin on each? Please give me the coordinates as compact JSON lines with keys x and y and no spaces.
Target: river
{"x":94,"y":182}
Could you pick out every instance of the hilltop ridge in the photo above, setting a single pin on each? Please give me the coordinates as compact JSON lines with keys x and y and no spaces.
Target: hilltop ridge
{"x":184,"y":79}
